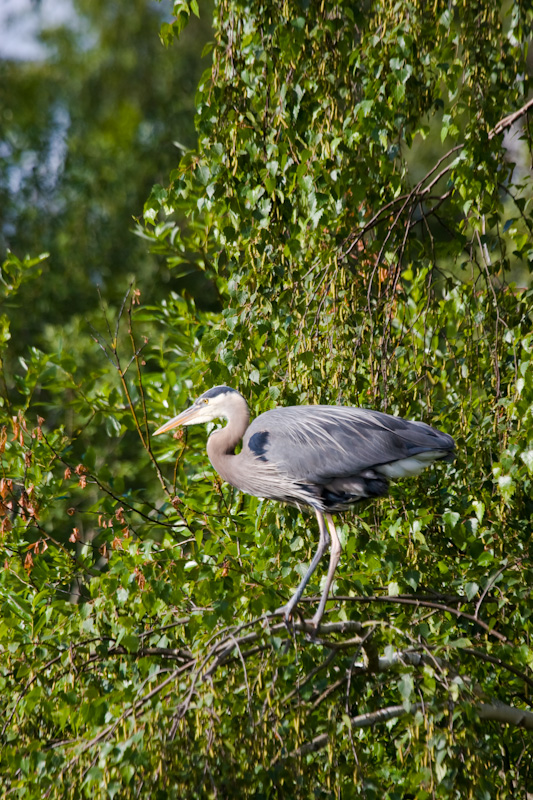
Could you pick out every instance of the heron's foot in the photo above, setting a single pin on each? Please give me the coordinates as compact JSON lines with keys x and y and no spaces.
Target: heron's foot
{"x":289,"y":618}
{"x":315,"y":622}
{"x":286,"y":612}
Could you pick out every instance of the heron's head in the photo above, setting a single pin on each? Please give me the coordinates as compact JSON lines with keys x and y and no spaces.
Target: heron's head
{"x":218,"y":402}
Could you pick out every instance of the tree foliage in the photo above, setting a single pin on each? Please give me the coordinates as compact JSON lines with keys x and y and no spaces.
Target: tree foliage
{"x":84,"y":135}
{"x":359,"y":206}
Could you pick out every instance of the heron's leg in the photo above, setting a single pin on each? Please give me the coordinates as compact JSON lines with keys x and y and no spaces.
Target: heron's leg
{"x":322,"y":546}
{"x":335,"y":554}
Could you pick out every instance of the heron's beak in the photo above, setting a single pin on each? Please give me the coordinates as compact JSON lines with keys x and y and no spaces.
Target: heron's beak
{"x":186,"y":417}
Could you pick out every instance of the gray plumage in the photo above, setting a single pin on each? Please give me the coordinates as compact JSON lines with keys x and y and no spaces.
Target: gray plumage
{"x":325,"y":457}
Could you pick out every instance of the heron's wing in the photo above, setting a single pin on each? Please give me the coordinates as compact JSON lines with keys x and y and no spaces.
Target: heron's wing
{"x":317,"y":443}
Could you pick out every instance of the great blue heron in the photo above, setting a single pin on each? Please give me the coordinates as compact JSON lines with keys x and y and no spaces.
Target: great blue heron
{"x":326,"y":457}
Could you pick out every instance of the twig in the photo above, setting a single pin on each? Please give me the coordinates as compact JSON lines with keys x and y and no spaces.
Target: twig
{"x":489,"y":586}
{"x":507,"y":121}
{"x":500,"y":663}
{"x":497,"y":712}
{"x":420,"y":191}
{"x":427,"y":604}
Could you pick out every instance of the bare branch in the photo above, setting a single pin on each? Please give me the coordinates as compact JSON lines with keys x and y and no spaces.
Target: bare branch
{"x":499,"y":662}
{"x":507,"y":121}
{"x":426,"y":604}
{"x":496,"y":712}
{"x":422,"y":189}
{"x":508,"y":715}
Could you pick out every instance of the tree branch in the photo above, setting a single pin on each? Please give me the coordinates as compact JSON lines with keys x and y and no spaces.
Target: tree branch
{"x":507,"y":715}
{"x":420,"y":191}
{"x":426,"y":604}
{"x":495,"y":712}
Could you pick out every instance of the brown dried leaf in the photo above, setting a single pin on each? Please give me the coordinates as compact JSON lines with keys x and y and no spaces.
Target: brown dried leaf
{"x":139,"y":577}
{"x":6,"y":525}
{"x":75,"y":535}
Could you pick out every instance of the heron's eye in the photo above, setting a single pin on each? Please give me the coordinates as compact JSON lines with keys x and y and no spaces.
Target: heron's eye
{"x":206,"y":400}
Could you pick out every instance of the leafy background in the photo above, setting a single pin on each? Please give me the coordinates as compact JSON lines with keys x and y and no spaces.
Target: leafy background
{"x":350,"y":223}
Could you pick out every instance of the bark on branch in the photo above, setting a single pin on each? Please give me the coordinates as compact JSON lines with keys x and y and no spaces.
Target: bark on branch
{"x":495,"y":712}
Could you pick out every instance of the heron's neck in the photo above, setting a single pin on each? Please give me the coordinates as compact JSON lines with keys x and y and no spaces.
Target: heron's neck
{"x":222,"y":443}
